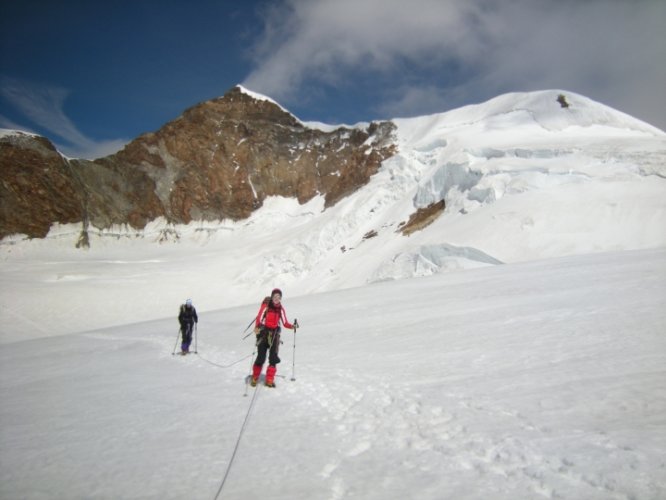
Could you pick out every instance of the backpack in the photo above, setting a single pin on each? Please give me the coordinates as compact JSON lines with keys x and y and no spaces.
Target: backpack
{"x":265,"y":302}
{"x":185,"y":314}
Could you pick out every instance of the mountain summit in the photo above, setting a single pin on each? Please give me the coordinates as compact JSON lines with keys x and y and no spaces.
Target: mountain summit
{"x":520,"y":177}
{"x":219,"y":160}
{"x":256,"y":198}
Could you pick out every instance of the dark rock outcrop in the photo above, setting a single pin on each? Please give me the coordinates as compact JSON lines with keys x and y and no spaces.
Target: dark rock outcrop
{"x":422,"y":218}
{"x":37,"y":187}
{"x":219,"y":160}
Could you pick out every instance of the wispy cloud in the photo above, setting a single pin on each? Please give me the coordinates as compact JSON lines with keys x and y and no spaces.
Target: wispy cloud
{"x":609,"y":50}
{"x":323,"y":40}
{"x":44,"y":106}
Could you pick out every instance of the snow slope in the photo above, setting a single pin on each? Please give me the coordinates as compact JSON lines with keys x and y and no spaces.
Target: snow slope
{"x":514,"y":348}
{"x":542,"y":379}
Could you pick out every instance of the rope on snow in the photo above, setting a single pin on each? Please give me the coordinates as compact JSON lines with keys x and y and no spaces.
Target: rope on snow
{"x":240,"y":436}
{"x":222,"y":366}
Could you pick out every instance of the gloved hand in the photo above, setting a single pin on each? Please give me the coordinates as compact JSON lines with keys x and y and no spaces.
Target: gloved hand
{"x":257,"y":330}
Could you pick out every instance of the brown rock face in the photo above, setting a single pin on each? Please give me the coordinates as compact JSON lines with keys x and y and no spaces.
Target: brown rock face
{"x":37,"y":187}
{"x":422,"y":218}
{"x":220,"y":159}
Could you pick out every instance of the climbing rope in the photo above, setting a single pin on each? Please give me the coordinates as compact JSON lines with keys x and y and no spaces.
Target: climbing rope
{"x":222,"y":366}
{"x":240,"y":436}
{"x":247,"y":415}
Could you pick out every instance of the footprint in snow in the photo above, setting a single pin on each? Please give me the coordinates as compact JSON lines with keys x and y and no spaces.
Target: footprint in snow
{"x":361,"y":447}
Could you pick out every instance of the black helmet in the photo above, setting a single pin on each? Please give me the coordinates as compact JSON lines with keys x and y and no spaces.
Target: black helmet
{"x":276,"y":290}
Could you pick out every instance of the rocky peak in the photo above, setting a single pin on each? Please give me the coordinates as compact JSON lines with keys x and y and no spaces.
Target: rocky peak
{"x":219,"y":159}
{"x":37,"y":186}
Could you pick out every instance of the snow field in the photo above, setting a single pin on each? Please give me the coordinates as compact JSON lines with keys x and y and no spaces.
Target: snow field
{"x":526,"y":361}
{"x":534,"y":380}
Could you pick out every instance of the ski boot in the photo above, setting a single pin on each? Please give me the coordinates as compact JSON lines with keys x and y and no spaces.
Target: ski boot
{"x":256,"y":373}
{"x":270,"y":376}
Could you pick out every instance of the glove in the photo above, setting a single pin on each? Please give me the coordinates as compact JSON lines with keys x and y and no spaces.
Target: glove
{"x":257,"y":330}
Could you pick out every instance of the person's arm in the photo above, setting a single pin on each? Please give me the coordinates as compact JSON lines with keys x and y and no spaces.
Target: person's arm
{"x":285,"y":321}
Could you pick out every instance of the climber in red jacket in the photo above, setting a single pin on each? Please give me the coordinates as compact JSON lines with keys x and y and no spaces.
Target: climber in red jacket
{"x":267,"y":330}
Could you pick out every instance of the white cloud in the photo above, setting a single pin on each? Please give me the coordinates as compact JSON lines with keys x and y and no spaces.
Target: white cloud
{"x":319,"y":39}
{"x":609,"y":50}
{"x":43,"y":105}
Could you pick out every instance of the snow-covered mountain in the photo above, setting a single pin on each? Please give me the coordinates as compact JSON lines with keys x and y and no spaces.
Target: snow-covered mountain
{"x":483,"y":319}
{"x":524,"y":176}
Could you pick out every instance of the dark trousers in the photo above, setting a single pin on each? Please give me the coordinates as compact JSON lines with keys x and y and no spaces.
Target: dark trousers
{"x":186,"y":331}
{"x":268,"y":341}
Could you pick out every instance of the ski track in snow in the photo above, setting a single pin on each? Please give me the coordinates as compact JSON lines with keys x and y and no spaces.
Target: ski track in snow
{"x":369,"y":419}
{"x":386,"y":420}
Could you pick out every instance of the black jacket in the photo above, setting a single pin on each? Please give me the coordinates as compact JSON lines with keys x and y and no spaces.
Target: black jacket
{"x":188,"y":315}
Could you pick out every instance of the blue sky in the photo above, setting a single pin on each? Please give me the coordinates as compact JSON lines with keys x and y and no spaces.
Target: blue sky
{"x":92,"y":75}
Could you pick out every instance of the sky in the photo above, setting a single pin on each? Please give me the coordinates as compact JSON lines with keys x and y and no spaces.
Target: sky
{"x":93,"y":75}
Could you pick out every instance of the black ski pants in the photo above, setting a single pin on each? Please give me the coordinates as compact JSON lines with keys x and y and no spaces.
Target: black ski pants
{"x":268,"y":341}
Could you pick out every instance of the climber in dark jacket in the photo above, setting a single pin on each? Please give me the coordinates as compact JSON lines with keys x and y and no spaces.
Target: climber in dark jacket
{"x":187,"y":319}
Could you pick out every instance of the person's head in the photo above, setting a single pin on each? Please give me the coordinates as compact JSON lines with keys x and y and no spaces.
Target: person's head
{"x":276,"y":296}
{"x":188,"y":303}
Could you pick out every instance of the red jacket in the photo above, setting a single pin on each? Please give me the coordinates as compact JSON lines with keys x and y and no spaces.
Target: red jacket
{"x":270,"y":317}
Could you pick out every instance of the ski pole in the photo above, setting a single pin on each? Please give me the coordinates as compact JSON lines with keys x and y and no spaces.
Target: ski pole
{"x":293,"y":357}
{"x":196,"y":336}
{"x":248,"y":326}
{"x":176,"y":344}
{"x":251,"y":331}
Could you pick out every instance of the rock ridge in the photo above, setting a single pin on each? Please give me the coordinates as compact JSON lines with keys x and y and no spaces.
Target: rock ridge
{"x":219,"y":160}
